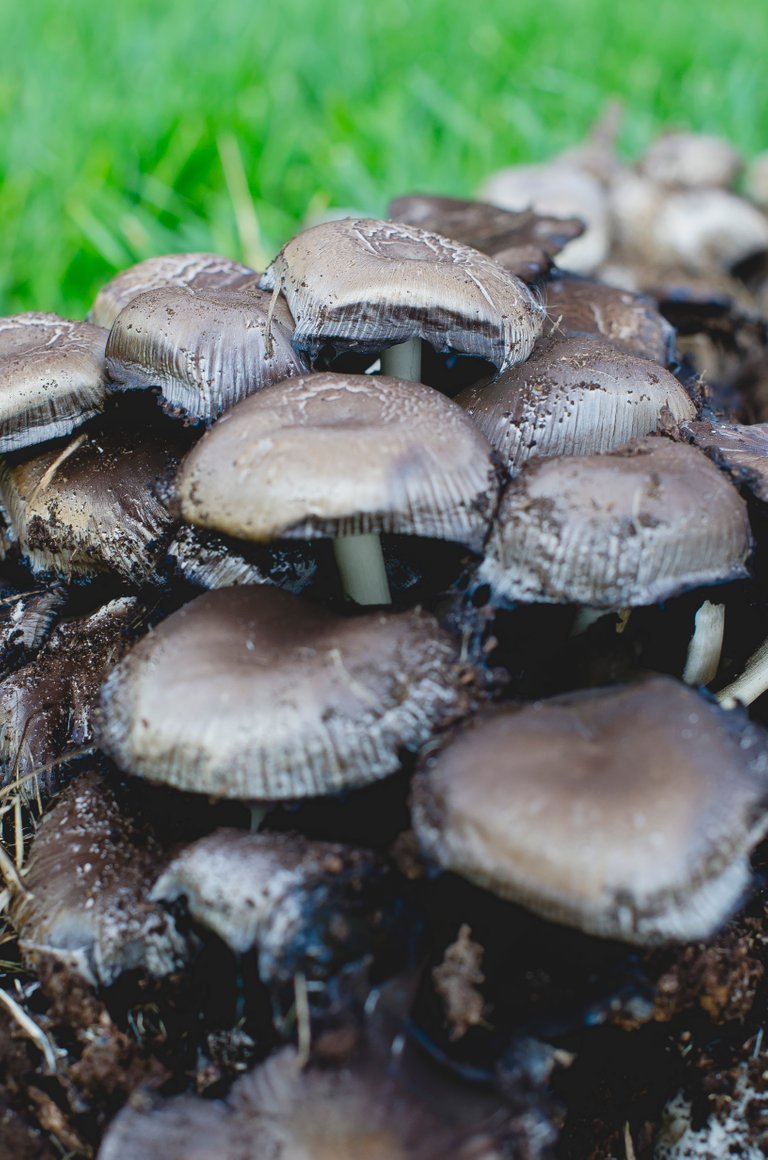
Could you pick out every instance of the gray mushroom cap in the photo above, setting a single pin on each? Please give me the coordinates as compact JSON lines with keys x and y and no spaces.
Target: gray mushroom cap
{"x":87,"y":880}
{"x":333,"y":454}
{"x":197,"y":271}
{"x":92,"y":506}
{"x":741,"y":448}
{"x":203,"y":350}
{"x":574,"y":396}
{"x":52,"y":377}
{"x":365,"y":285}
{"x":620,"y":530}
{"x":629,"y":812}
{"x":253,"y":694}
{"x":630,"y":322}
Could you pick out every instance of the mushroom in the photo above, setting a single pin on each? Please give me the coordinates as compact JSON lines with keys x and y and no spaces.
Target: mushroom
{"x":202,"y":350}
{"x":253,"y":694}
{"x":366,"y":286}
{"x":26,"y":621}
{"x":574,"y":396}
{"x":611,"y":531}
{"x":92,"y":506}
{"x":346,"y":457}
{"x":628,"y":812}
{"x":52,"y":377}
{"x":691,"y":160}
{"x":210,"y":561}
{"x":196,"y":271}
{"x":85,"y":898}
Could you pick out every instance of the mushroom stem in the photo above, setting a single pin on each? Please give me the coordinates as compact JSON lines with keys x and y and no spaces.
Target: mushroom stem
{"x":706,"y":644}
{"x":403,"y":361}
{"x":361,"y":566}
{"x":585,"y":617}
{"x":751,"y":684}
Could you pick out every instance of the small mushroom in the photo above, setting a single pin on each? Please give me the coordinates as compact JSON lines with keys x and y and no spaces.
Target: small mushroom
{"x":574,"y":396}
{"x":196,"y":271}
{"x":202,"y":350}
{"x":363,"y":285}
{"x":629,"y":812}
{"x":85,"y":903}
{"x":52,"y":377}
{"x":620,"y":530}
{"x":253,"y":694}
{"x":692,"y":161}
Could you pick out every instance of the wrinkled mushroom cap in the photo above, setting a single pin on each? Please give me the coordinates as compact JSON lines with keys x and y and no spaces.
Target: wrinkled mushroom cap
{"x":92,"y":506}
{"x":52,"y":377}
{"x":628,"y":321}
{"x":614,"y":531}
{"x":203,"y":350}
{"x":365,"y":285}
{"x":251,"y":693}
{"x":197,"y":271}
{"x":339,"y":454}
{"x":628,"y":812}
{"x":574,"y":396}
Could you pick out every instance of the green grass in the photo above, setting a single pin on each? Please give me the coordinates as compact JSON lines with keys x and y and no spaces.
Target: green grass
{"x":139,"y":128}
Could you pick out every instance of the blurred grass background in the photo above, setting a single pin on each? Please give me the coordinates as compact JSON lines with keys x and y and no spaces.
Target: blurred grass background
{"x":140,"y":128}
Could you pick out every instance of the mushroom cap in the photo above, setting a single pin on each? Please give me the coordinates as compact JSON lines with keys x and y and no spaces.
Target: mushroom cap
{"x":46,"y":708}
{"x":203,"y":350}
{"x":692,"y":160}
{"x":92,"y":506}
{"x":628,"y":812}
{"x":330,"y":454}
{"x":207,"y":560}
{"x":197,"y":271}
{"x":26,"y":621}
{"x":620,"y":530}
{"x":628,"y":321}
{"x":90,"y":870}
{"x":574,"y":396}
{"x":560,"y":189}
{"x":251,"y":693}
{"x":52,"y":377}
{"x":280,"y":1111}
{"x":741,"y":448}
{"x":364,"y":285}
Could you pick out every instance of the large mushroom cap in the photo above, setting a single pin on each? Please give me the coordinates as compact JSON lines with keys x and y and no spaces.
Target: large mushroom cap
{"x":203,"y":350}
{"x":365,"y":285}
{"x":52,"y":377}
{"x":574,"y":396}
{"x":338,"y":454}
{"x":251,"y":693}
{"x":628,"y":812}
{"x":197,"y":271}
{"x":612,"y":531}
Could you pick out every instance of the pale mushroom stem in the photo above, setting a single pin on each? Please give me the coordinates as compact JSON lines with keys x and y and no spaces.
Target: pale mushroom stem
{"x":752,"y":683}
{"x":706,"y":644}
{"x":403,"y":361}
{"x":361,"y":566}
{"x":585,"y":617}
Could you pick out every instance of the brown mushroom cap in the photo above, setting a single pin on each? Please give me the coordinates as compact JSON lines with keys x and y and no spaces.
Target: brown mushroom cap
{"x":52,"y":377}
{"x":364,"y":285}
{"x":332,"y":454}
{"x":88,"y":878}
{"x":628,"y":321}
{"x":251,"y":693}
{"x":26,"y":621}
{"x":46,"y":708}
{"x":574,"y":396}
{"x":197,"y":271}
{"x":612,"y":531}
{"x":204,"y":350}
{"x":628,"y":812}
{"x":92,"y":506}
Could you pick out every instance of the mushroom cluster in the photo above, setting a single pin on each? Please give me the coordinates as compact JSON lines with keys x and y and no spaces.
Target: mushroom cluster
{"x":377,"y":777}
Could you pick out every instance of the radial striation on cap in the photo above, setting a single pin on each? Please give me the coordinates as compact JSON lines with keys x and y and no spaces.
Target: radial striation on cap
{"x":574,"y":396}
{"x":620,"y":530}
{"x":52,"y":377}
{"x":253,"y":694}
{"x":204,"y":350}
{"x":365,"y":285}
{"x":196,"y":271}
{"x":629,"y":812}
{"x":331,"y":455}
